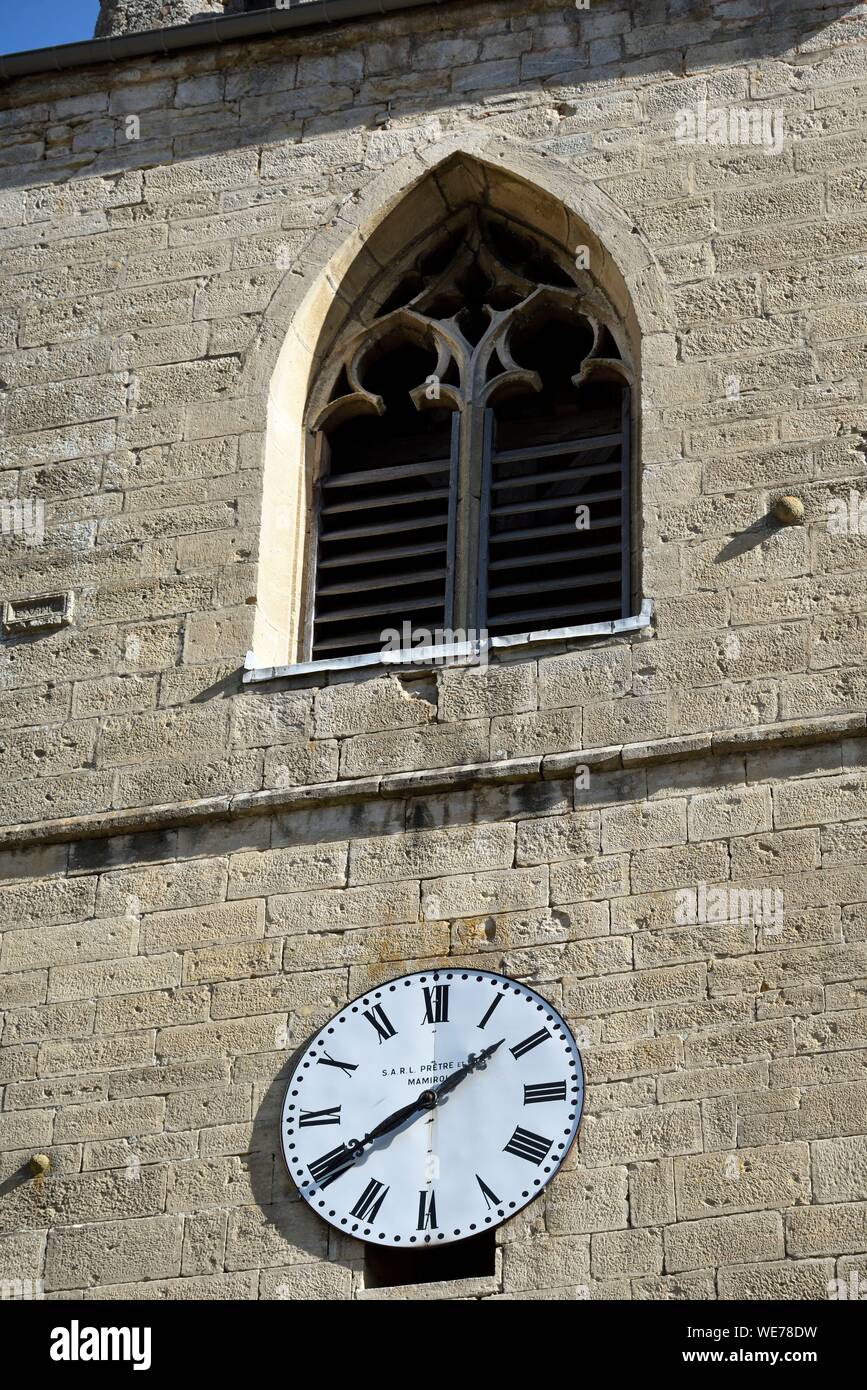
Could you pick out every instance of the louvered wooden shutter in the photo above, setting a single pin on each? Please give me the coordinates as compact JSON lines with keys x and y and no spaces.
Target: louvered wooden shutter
{"x":538,"y":569}
{"x":385,"y":547}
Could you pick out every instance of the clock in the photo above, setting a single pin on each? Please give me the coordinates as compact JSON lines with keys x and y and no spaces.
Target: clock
{"x":432,"y":1108}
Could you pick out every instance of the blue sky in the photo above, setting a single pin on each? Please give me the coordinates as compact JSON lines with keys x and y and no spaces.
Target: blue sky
{"x":38,"y":23}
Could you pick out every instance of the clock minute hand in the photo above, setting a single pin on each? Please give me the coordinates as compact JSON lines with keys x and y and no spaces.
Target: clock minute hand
{"x":426,"y":1101}
{"x":457,"y":1077}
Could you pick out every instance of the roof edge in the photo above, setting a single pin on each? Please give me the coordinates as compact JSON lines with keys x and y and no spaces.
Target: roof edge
{"x":199,"y":34}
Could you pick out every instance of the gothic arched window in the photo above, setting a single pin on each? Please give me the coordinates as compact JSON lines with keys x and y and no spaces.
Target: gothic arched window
{"x":472,"y":449}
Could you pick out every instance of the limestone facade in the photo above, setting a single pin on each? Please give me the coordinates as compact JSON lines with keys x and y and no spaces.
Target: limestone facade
{"x":203,"y":856}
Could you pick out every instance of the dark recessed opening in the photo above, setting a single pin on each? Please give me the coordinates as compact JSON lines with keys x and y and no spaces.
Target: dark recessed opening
{"x":386,"y":1267}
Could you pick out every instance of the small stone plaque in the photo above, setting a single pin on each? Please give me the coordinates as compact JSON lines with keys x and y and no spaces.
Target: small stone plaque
{"x":38,"y":614}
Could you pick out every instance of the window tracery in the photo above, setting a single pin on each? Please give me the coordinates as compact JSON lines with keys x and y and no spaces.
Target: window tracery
{"x":472,"y":442}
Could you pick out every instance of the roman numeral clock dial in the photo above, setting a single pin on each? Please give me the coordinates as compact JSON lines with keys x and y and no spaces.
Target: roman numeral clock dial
{"x":432,"y":1108}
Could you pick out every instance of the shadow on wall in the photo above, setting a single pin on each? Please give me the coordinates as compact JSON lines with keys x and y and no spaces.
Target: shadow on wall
{"x":288,"y":1218}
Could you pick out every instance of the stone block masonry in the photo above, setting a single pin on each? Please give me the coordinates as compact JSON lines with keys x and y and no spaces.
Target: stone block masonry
{"x":154,"y":988}
{"x":143,"y":269}
{"x":195,"y":873}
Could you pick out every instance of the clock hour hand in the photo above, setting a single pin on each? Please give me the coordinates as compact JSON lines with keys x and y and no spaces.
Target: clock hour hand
{"x":394,"y":1121}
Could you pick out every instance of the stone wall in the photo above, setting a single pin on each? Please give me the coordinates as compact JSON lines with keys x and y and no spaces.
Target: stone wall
{"x":156,"y":987}
{"x":143,"y":312}
{"x":271,"y":849}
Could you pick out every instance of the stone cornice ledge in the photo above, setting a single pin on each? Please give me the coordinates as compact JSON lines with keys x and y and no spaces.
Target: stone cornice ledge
{"x":547,"y":767}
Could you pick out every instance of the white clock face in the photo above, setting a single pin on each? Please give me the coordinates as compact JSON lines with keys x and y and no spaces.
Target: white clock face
{"x":432,"y":1108}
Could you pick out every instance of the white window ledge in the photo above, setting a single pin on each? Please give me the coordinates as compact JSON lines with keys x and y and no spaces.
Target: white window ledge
{"x":453,"y":653}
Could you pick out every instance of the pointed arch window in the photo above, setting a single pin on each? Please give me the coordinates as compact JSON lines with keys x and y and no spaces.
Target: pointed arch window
{"x":472,"y":449}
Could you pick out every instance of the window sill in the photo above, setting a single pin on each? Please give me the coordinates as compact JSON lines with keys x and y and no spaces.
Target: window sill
{"x":458,"y":653}
{"x":448,"y":1290}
